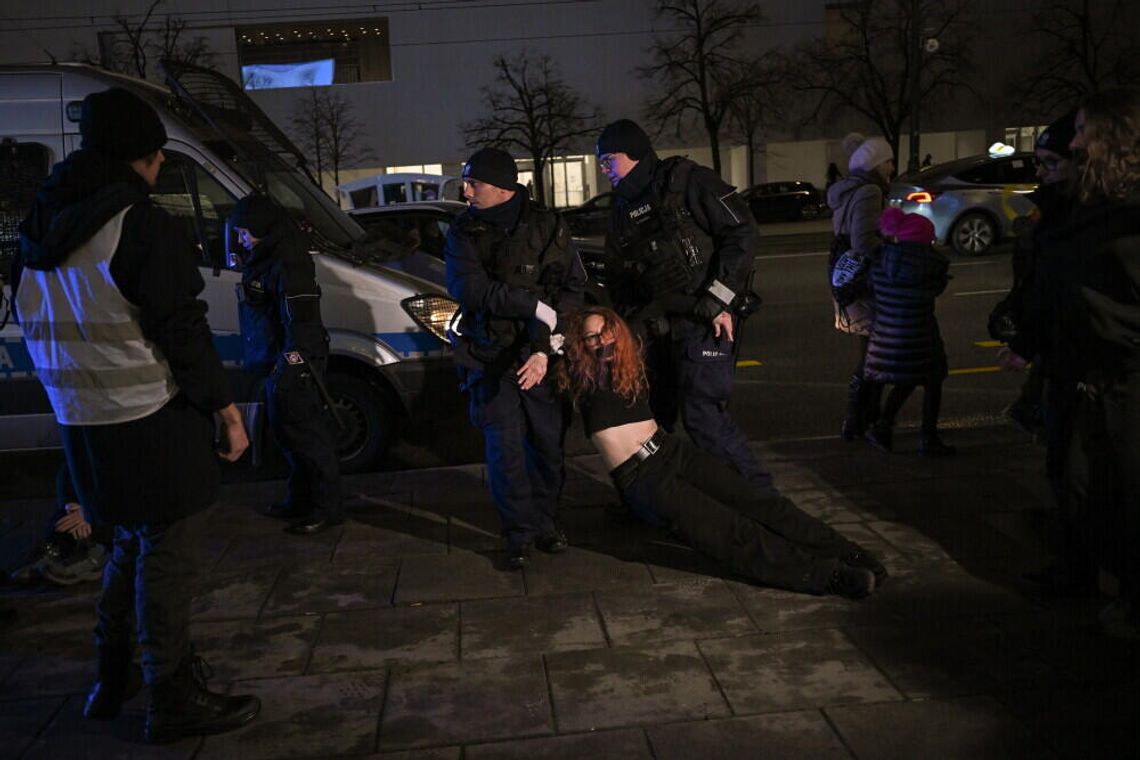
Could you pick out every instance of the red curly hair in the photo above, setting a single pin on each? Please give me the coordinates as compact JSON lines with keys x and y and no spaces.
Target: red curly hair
{"x":582,"y":372}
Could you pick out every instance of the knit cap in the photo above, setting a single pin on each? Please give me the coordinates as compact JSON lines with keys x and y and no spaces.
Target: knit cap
{"x":493,"y":166}
{"x":868,"y":153}
{"x":906,"y":228}
{"x":257,"y":213}
{"x":1059,"y":134}
{"x":120,"y":124}
{"x":624,"y":136}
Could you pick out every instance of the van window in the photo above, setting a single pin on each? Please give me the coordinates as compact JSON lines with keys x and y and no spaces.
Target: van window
{"x":365,"y":198}
{"x":425,"y":191}
{"x":23,"y":169}
{"x":395,"y":193}
{"x":180,"y":181}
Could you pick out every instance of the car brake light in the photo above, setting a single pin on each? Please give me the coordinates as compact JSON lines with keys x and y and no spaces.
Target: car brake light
{"x":922,"y":196}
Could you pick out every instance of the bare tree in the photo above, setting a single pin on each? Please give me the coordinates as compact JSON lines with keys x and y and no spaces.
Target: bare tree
{"x":328,"y":132}
{"x":135,"y":44}
{"x":868,"y":65}
{"x":697,"y":67}
{"x":532,"y":110}
{"x":1087,"y":46}
{"x":758,"y":104}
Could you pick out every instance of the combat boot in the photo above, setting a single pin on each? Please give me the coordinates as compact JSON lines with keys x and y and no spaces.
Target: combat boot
{"x":182,"y":706}
{"x":855,"y":423}
{"x":931,"y":445}
{"x":119,"y":679}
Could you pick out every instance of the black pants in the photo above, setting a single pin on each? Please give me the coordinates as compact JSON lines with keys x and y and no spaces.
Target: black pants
{"x":756,"y":532}
{"x":523,"y":433}
{"x":304,"y":430}
{"x":152,"y":572}
{"x":692,"y":374}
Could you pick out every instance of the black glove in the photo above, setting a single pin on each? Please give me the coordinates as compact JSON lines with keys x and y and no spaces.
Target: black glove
{"x":707,"y":308}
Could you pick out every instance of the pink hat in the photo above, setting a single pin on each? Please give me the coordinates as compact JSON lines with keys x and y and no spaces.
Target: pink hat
{"x":909,"y":228}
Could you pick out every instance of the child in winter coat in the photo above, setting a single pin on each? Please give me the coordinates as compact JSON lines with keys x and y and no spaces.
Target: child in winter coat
{"x":905,"y":347}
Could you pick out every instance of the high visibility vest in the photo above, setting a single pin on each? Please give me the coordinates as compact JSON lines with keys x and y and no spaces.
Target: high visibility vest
{"x":84,"y":338}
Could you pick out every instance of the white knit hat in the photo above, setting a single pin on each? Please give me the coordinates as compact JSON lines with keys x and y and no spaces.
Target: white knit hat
{"x":870,"y":153}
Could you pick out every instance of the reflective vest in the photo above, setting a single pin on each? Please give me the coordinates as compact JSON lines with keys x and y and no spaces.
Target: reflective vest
{"x":85,"y":341}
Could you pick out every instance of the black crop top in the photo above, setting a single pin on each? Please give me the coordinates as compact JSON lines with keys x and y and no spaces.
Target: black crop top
{"x":605,"y":409}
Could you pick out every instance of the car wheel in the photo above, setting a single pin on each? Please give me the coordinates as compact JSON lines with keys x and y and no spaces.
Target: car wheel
{"x":973,"y":234}
{"x":367,"y":423}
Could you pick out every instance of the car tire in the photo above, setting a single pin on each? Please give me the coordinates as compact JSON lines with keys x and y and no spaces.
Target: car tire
{"x":973,"y":234}
{"x":368,"y":423}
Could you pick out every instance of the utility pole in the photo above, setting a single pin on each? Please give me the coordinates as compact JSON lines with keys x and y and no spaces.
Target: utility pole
{"x":915,"y":81}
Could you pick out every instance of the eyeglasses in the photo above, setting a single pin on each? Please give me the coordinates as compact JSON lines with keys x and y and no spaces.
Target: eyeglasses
{"x":1050,"y":163}
{"x":606,"y":161}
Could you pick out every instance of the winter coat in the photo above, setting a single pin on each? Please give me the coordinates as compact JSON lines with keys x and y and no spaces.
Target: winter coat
{"x":162,"y":467}
{"x":856,"y":203}
{"x":905,"y":346}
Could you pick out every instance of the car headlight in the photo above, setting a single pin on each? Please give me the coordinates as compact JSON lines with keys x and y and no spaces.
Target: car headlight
{"x":433,"y":313}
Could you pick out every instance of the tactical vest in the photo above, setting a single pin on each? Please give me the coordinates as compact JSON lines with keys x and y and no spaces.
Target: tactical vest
{"x":663,"y":248}
{"x":532,"y":258}
{"x":85,"y":340}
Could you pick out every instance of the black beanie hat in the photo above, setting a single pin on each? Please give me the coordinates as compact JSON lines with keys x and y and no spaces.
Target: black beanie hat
{"x":120,"y":124}
{"x":493,"y":166}
{"x":256,"y":213}
{"x":625,"y":136}
{"x":1059,"y":134}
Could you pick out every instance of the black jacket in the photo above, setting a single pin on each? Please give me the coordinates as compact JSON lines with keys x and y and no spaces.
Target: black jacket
{"x":162,"y":467}
{"x":280,"y":301}
{"x":905,"y":345}
{"x":711,"y":214}
{"x":500,"y":264}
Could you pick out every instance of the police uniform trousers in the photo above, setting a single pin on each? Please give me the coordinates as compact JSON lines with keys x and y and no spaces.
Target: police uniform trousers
{"x":150,"y":479}
{"x":304,"y":429}
{"x":693,"y":373}
{"x":758,"y":533}
{"x":523,"y":434}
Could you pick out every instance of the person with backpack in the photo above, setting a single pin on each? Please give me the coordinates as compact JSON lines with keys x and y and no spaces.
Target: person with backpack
{"x":679,"y":253}
{"x":857,"y":201}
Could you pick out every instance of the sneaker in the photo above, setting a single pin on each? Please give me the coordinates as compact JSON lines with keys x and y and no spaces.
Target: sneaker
{"x":861,"y":558}
{"x":48,"y":553}
{"x":851,"y":582}
{"x":81,"y":567}
{"x":518,"y":556}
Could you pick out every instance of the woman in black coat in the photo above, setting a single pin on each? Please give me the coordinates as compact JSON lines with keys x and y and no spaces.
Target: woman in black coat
{"x":905,"y":347}
{"x":1104,"y":339}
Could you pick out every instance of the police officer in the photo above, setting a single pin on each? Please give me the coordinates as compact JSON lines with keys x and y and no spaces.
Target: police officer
{"x":283,"y":338}
{"x":679,"y":253}
{"x":513,"y":269}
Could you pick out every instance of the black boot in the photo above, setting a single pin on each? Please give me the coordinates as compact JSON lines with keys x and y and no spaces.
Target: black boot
{"x":119,"y":680}
{"x":182,"y":706}
{"x":881,"y":435}
{"x":855,"y":423}
{"x":930,"y":445}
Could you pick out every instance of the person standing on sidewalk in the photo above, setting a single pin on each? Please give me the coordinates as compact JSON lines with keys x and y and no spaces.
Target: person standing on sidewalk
{"x":284,"y":340}
{"x":856,"y":202}
{"x":679,"y":252}
{"x":515,"y":272}
{"x":106,"y":290}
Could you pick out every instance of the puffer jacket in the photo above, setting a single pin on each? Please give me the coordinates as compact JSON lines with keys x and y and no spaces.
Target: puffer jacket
{"x":905,"y":346}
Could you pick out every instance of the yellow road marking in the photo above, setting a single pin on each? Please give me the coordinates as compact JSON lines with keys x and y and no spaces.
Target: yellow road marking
{"x":974,"y":370}
{"x":749,"y":363}
{"x":989,"y":343}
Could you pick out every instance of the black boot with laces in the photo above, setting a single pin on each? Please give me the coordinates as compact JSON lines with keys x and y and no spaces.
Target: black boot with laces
{"x":182,"y":706}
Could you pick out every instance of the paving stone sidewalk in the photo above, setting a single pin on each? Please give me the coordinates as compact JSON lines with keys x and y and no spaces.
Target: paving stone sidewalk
{"x":403,"y":636}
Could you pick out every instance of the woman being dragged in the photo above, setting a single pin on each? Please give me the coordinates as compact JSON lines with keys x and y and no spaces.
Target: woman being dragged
{"x":670,"y":483}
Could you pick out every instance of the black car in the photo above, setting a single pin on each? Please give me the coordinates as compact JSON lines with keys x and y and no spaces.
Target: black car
{"x":591,"y":218}
{"x":788,"y":201}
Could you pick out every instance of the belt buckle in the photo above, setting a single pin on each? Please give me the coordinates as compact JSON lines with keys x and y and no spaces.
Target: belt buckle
{"x":648,"y":449}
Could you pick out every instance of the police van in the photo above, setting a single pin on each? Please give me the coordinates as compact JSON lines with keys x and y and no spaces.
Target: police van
{"x":389,"y":354}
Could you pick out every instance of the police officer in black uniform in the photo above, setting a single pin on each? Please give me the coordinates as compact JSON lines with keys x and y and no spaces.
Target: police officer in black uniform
{"x":679,"y":253}
{"x":513,"y":269}
{"x":283,"y":338}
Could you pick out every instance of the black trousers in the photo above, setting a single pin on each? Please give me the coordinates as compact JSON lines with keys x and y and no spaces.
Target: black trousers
{"x":152,"y":573}
{"x":523,"y":434}
{"x":304,"y":430}
{"x":758,"y":533}
{"x":692,"y":373}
